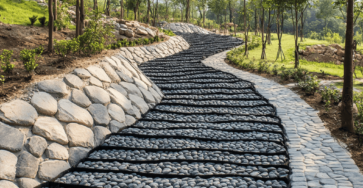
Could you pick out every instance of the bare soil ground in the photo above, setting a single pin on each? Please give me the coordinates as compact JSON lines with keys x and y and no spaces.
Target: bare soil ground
{"x":331,"y":118}
{"x":18,"y":37}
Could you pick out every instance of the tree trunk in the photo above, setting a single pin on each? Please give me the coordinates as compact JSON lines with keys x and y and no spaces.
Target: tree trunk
{"x":156,"y":12}
{"x":255,"y":21}
{"x":108,"y":12}
{"x":246,"y":31}
{"x":81,"y":17}
{"x":148,"y":12}
{"x":77,"y":18}
{"x":166,"y":11}
{"x":263,"y":54}
{"x":296,"y":37}
{"x":230,"y":12}
{"x":50,"y":27}
{"x":269,"y":27}
{"x":203,"y":16}
{"x":55,"y":13}
{"x":302,"y":26}
{"x":122,"y":9}
{"x":347,"y":98}
{"x":187,"y":12}
{"x":95,"y":6}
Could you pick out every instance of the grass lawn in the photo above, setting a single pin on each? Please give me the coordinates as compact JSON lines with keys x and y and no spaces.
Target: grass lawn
{"x":356,"y":84}
{"x":19,"y":11}
{"x":288,"y":44}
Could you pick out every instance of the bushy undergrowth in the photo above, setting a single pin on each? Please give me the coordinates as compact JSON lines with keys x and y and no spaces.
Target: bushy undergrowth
{"x":167,"y":32}
{"x":30,"y":58}
{"x":5,"y":60}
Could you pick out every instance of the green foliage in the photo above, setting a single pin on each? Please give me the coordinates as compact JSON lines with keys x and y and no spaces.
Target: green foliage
{"x":168,"y":32}
{"x":33,"y":19}
{"x":39,"y":50}
{"x":358,"y":37}
{"x":358,"y":122}
{"x":42,"y":20}
{"x":285,"y":73}
{"x":29,"y":58}
{"x":263,"y":67}
{"x":333,"y":38}
{"x":65,"y":47}
{"x":275,"y":70}
{"x":63,"y":18}
{"x":2,"y":8}
{"x":330,"y":95}
{"x":299,"y":74}
{"x":95,"y":35}
{"x":310,"y":85}
{"x":5,"y":59}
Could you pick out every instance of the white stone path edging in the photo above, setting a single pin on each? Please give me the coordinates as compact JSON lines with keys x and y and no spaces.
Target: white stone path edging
{"x":61,"y":120}
{"x":316,"y":159}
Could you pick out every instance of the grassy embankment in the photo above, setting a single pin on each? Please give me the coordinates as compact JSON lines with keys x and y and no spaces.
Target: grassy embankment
{"x":288,"y":48}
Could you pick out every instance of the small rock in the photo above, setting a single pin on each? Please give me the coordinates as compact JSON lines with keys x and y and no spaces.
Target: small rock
{"x":8,"y":165}
{"x":119,"y":89}
{"x":100,"y":114}
{"x":118,"y":98}
{"x":149,"y":98}
{"x":82,"y":73}
{"x":139,"y":102}
{"x":7,"y":184}
{"x":97,"y":95}
{"x":11,"y":138}
{"x":116,"y":126}
{"x":129,"y":120}
{"x":18,"y":112}
{"x":116,"y":112}
{"x":79,"y":135}
{"x":76,"y":154}
{"x":44,"y":103}
{"x":140,"y":83}
{"x":100,"y":134}
{"x":124,"y":77}
{"x":51,"y":129}
{"x":70,"y":112}
{"x":27,"y":165}
{"x":129,"y":33}
{"x":27,"y":183}
{"x":99,"y":73}
{"x":51,"y":169}
{"x":56,"y":87}
{"x":111,"y":72}
{"x":96,"y":82}
{"x":73,"y":81}
{"x":57,"y":151}
{"x":131,"y":89}
{"x":79,"y":98}
{"x":37,"y":145}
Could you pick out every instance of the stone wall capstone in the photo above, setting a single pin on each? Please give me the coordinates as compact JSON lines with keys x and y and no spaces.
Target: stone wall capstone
{"x":61,"y":120}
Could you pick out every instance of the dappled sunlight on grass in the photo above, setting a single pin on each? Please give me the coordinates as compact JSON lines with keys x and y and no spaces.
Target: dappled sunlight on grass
{"x":18,"y":12}
{"x":288,"y":48}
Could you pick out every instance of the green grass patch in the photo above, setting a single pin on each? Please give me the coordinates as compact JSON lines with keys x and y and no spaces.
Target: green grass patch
{"x":356,"y":84}
{"x":18,"y":12}
{"x":288,"y":48}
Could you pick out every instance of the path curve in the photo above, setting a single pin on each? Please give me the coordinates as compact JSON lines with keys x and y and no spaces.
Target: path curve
{"x":316,"y":158}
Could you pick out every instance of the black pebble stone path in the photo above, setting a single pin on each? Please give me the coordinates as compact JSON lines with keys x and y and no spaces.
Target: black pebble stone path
{"x":211,"y":129}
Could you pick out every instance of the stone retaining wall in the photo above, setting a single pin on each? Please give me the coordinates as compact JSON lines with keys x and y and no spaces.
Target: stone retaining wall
{"x":185,"y":28}
{"x":61,"y":120}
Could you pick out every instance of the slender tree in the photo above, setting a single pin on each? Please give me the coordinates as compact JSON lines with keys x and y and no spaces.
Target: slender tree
{"x":77,"y":19}
{"x":55,"y":13}
{"x":95,"y":5}
{"x":50,"y":27}
{"x":187,"y":11}
{"x":148,"y":12}
{"x":347,"y":98}
{"x":122,"y":9}
{"x":246,"y":28}
{"x":81,"y":17}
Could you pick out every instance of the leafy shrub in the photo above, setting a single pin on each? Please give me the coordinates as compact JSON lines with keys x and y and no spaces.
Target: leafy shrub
{"x":146,"y":41}
{"x":310,"y":85}
{"x":330,"y":95}
{"x":5,"y":59}
{"x":65,"y":47}
{"x":299,"y":74}
{"x":168,"y":32}
{"x":333,"y":38}
{"x":95,"y":35}
{"x":275,"y":70}
{"x":251,"y":65}
{"x":39,"y":50}
{"x":314,"y":35}
{"x":285,"y":73}
{"x":263,"y":67}
{"x":33,"y":19}
{"x":29,"y":58}
{"x":63,"y":18}
{"x":42,"y":20}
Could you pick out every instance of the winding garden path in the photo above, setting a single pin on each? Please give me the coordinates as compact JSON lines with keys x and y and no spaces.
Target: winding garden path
{"x":217,"y":127}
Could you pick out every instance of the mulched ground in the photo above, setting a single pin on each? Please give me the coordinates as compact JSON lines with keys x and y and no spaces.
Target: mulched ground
{"x":331,"y":118}
{"x":18,"y":37}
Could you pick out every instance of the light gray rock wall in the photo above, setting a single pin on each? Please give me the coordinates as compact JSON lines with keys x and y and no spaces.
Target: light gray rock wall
{"x":61,"y":120}
{"x":185,"y":28}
